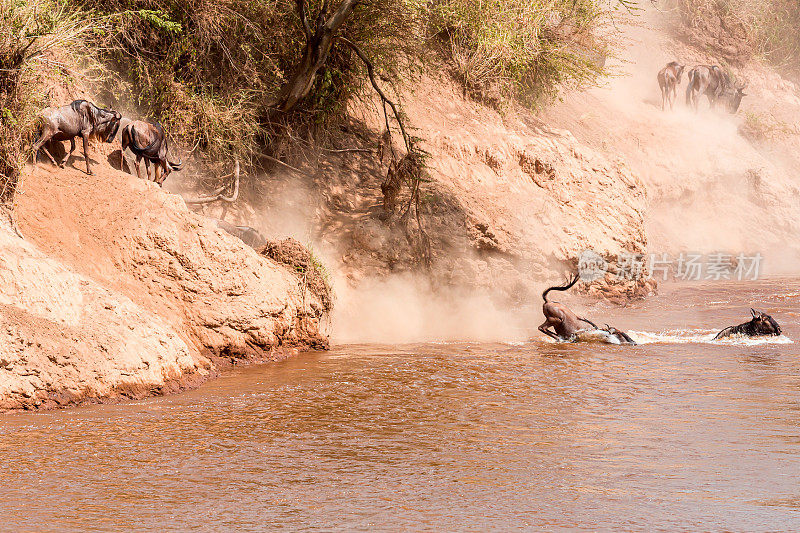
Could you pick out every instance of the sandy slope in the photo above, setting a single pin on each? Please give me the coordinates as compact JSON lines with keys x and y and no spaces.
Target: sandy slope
{"x":710,"y":188}
{"x":67,"y":339}
{"x":120,"y":290}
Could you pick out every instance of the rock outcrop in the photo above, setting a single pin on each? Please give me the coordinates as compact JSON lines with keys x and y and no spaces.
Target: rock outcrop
{"x":66,"y":339}
{"x":120,"y":291}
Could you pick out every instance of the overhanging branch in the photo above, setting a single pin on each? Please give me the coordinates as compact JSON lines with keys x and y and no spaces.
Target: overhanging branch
{"x":219,"y":194}
{"x":385,"y":100}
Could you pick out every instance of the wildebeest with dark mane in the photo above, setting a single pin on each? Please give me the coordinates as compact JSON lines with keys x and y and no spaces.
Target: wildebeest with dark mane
{"x":668,"y":80}
{"x":716,"y":85}
{"x":760,"y":325}
{"x":732,"y":98}
{"x":148,"y":141}
{"x":78,"y":118}
{"x":566,"y":324}
{"x":709,"y":80}
{"x":620,"y":335}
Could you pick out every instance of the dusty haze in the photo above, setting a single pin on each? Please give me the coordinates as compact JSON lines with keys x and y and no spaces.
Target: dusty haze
{"x":632,"y":179}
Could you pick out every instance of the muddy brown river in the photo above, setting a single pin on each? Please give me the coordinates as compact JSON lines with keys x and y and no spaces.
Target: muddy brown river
{"x":677,"y":434}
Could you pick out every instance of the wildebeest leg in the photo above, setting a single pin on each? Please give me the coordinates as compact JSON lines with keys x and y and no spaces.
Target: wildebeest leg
{"x":63,"y":162}
{"x":86,"y":153}
{"x":39,"y":145}
{"x":543,"y":328}
{"x":147,"y":167}
{"x":139,"y":165}
{"x":663,"y":98}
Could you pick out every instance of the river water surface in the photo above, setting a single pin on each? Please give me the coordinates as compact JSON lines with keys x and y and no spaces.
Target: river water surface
{"x":676,"y":434}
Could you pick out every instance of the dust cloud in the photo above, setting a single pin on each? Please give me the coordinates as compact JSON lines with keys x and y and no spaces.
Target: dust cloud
{"x":403,"y":309}
{"x":710,"y":189}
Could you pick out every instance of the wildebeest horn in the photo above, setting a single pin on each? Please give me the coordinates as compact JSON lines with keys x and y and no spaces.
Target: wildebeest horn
{"x":112,"y":134}
{"x":753,"y":312}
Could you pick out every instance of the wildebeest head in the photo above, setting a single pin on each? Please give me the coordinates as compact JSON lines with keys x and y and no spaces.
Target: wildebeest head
{"x":679,"y":71}
{"x":764,"y":324}
{"x":107,"y":124}
{"x":735,"y":96}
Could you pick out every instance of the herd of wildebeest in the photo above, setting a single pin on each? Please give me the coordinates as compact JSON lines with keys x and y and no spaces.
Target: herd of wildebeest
{"x":709,"y":80}
{"x":148,"y":142}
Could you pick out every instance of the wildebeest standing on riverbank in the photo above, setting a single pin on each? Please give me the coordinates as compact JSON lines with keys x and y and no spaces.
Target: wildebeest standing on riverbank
{"x":78,"y":118}
{"x":148,"y":141}
{"x":668,"y":80}
{"x":760,"y":325}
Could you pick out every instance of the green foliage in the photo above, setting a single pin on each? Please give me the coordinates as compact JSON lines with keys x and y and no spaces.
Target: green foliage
{"x":160,"y":20}
{"x":28,"y":30}
{"x":502,"y":49}
{"x":210,"y":70}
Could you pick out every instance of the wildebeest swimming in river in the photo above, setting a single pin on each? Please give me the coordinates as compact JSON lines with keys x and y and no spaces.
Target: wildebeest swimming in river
{"x":78,"y":118}
{"x":760,"y":325}
{"x":566,"y":324}
{"x":620,"y":335}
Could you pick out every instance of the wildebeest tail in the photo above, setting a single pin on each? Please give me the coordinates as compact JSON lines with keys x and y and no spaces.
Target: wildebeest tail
{"x":566,"y":287}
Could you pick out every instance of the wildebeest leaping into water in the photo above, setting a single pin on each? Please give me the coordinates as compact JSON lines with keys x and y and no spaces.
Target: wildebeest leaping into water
{"x":566,"y":324}
{"x":760,"y":325}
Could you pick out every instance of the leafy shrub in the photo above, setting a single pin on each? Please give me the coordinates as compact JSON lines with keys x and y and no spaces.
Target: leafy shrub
{"x":503,"y":49}
{"x":28,"y":29}
{"x":210,"y":70}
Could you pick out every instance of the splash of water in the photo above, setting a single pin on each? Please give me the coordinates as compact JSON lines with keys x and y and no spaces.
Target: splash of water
{"x":703,"y":336}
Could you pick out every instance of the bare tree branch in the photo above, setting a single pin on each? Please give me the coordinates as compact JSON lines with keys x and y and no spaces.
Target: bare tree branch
{"x":341,"y":15}
{"x":317,"y":50}
{"x":384,"y":99}
{"x":287,"y":165}
{"x":301,"y":10}
{"x":219,"y":194}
